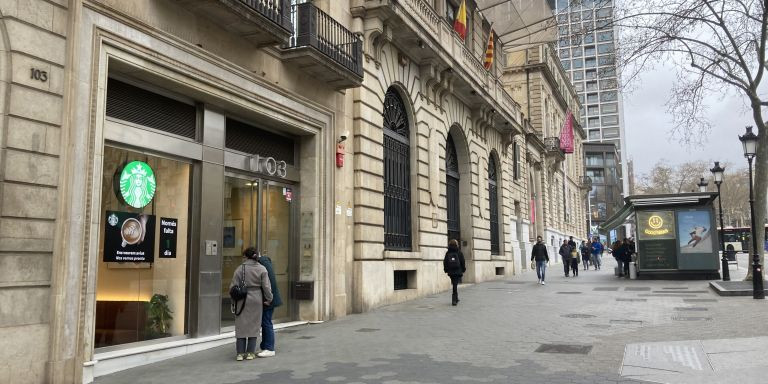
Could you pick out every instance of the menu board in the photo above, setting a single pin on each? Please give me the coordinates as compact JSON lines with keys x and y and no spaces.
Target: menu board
{"x":657,"y":254}
{"x":129,"y":237}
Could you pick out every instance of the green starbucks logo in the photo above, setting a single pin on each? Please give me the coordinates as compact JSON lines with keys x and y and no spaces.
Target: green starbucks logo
{"x":137,"y":184}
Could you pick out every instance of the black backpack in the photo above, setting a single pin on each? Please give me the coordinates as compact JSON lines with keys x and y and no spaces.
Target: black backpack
{"x":452,"y":262}
{"x":239,"y":292}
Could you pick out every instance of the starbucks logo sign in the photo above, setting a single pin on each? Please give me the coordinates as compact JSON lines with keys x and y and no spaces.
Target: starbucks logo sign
{"x":137,"y":184}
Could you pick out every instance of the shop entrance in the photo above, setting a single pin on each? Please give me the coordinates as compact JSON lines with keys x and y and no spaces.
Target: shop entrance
{"x":259,"y":213}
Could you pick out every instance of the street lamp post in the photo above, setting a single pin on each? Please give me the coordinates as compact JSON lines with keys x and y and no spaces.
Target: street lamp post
{"x":717,"y":175}
{"x":749,"y":142}
{"x":702,"y":185}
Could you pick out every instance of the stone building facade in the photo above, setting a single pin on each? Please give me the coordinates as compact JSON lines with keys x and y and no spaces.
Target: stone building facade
{"x":348,"y":140}
{"x":536,"y":79}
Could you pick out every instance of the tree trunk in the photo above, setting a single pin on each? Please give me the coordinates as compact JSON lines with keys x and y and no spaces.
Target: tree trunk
{"x":760,"y":192}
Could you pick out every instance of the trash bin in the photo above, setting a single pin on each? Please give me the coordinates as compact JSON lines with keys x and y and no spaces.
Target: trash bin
{"x":633,"y":270}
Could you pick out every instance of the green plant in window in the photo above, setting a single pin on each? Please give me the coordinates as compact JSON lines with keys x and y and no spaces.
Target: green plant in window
{"x":160,"y":316}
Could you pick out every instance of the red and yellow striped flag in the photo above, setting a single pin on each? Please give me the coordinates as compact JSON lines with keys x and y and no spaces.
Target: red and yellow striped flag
{"x":460,"y":24}
{"x":488,"y":63}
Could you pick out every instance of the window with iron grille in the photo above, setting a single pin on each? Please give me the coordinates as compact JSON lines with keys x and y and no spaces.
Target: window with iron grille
{"x":516,"y":159}
{"x":397,"y":174}
{"x":493,"y":205}
{"x":452,"y":190}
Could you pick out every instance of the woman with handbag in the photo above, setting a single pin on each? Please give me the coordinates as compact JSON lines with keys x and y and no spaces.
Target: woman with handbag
{"x":254,"y":277}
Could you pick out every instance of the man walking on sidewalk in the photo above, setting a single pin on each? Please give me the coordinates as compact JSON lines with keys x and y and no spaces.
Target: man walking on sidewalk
{"x":540,"y":255}
{"x":597,"y":251}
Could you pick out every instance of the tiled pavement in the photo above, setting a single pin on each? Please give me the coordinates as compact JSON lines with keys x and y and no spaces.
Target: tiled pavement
{"x":579,"y":326}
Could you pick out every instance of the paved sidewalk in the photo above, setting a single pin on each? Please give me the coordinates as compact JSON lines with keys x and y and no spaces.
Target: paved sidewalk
{"x":572,"y":330}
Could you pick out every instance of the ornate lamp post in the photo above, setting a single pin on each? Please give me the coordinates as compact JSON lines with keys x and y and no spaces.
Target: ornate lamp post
{"x":702,"y":185}
{"x":749,"y":142}
{"x":717,"y":175}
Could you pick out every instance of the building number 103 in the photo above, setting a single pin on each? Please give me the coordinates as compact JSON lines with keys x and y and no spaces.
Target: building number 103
{"x":36,"y":74}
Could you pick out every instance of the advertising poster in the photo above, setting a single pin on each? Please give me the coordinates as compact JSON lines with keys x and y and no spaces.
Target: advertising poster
{"x":129,"y":237}
{"x":657,"y":248}
{"x":168,"y":236}
{"x":695,"y":232}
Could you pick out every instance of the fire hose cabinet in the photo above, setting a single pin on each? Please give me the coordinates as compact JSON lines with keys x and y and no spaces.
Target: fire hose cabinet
{"x":304,"y":290}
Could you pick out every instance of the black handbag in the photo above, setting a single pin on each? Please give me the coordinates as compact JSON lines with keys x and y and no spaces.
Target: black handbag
{"x":239,"y":292}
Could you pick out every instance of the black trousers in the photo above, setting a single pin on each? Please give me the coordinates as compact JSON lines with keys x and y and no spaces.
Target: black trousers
{"x":575,"y":266}
{"x":455,"y":280}
{"x":243,"y":346}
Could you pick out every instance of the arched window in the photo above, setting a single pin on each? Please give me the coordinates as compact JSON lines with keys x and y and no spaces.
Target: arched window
{"x":493,"y":205}
{"x":452,"y":189}
{"x":397,"y":174}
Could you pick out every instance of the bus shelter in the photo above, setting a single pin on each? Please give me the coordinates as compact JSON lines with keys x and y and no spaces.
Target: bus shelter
{"x":675,"y":235}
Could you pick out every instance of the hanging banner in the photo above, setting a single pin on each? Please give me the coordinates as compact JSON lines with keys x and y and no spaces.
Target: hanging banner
{"x":566,"y":134}
{"x":129,"y":236}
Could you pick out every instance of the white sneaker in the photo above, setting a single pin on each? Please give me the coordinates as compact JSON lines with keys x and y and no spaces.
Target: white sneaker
{"x":266,"y":353}
{"x":539,"y":281}
{"x":543,"y":283}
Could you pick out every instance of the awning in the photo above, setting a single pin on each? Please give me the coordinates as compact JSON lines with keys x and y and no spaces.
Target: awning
{"x":618,"y":218}
{"x":520,"y":22}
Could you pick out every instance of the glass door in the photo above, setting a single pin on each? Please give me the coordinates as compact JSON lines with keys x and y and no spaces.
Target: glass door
{"x":276,"y":238}
{"x":257,"y":213}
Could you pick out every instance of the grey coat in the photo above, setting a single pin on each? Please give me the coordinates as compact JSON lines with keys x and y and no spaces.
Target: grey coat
{"x":248,"y":324}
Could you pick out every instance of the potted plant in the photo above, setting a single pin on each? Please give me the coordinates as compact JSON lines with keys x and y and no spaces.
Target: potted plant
{"x":159,"y":315}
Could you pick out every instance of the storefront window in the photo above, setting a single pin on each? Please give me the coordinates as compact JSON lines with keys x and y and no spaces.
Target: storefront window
{"x":141,"y":291}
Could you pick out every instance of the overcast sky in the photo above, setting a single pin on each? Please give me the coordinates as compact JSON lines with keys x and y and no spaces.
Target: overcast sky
{"x":648,"y":126}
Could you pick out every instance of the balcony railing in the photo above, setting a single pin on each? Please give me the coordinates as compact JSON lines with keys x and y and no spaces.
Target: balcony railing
{"x":552,"y":144}
{"x":585,"y":182}
{"x":315,"y":28}
{"x":275,"y":10}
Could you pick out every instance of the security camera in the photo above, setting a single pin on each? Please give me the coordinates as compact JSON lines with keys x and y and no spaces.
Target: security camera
{"x":343,"y":136}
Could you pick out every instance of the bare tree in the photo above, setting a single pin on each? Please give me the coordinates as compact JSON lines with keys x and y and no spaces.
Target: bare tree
{"x":718,"y":48}
{"x":667,"y":178}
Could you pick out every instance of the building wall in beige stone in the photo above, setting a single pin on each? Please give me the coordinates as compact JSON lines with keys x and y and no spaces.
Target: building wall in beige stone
{"x":30,"y":125}
{"x":430,"y":121}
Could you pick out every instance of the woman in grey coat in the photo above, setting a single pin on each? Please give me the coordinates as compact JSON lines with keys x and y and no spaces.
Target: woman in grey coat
{"x":248,"y":323}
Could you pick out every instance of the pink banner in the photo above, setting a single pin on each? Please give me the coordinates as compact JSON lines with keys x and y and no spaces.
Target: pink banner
{"x":566,"y":134}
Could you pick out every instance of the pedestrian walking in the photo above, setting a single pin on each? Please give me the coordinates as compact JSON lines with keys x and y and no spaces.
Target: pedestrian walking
{"x":565,"y":257}
{"x":575,"y":259}
{"x":248,"y":321}
{"x":623,"y":256}
{"x":585,"y":252}
{"x":453,"y":265}
{"x":267,"y":346}
{"x":541,"y":257}
{"x":597,"y":252}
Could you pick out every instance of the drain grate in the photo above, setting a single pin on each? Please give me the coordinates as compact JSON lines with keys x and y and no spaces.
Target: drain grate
{"x":690,"y":318}
{"x":564,"y":348}
{"x":700,"y":309}
{"x":699,"y":300}
{"x":578,"y":316}
{"x":680,"y":292}
{"x":305,"y":337}
{"x":606,"y":289}
{"x":637,"y":289}
{"x":667,"y":295}
{"x":367,"y":330}
{"x":628,"y":299}
{"x":569,"y":293}
{"x":674,"y":288}
{"x":628,"y":322}
{"x":593,"y":325}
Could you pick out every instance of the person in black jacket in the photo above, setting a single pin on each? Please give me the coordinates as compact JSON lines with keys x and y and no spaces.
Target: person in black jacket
{"x":540,"y":255}
{"x":267,"y":329}
{"x":453,"y":265}
{"x":565,"y":257}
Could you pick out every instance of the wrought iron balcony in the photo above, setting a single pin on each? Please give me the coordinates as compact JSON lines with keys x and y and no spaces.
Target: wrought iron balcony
{"x":553,"y":151}
{"x":585,"y":182}
{"x":324,"y":48}
{"x":263,"y":22}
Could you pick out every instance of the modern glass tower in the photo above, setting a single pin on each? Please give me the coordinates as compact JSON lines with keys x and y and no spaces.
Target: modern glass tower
{"x":587,"y":49}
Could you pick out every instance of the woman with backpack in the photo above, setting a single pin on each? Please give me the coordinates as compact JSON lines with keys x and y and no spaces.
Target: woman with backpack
{"x":253,"y":278}
{"x":453,"y":265}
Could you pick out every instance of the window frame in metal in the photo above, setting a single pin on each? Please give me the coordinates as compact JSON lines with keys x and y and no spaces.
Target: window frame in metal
{"x":452,"y":196}
{"x":397,"y":174}
{"x":493,"y":204}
